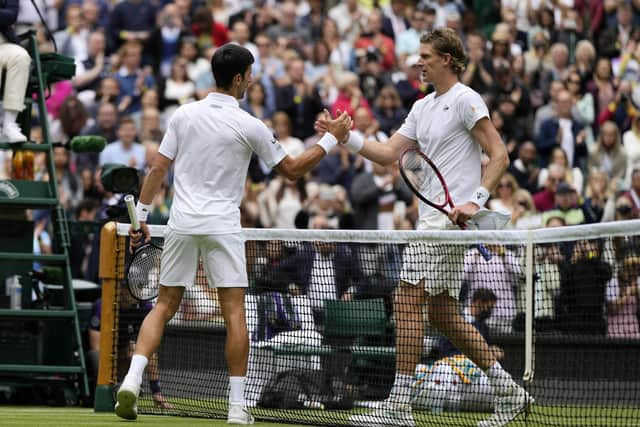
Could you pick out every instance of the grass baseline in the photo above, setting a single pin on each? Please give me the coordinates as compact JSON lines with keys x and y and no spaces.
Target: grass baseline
{"x":540,"y":416}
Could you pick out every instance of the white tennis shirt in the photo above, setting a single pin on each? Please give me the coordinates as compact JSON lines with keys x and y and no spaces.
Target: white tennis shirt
{"x":211,"y":142}
{"x":442,"y":127}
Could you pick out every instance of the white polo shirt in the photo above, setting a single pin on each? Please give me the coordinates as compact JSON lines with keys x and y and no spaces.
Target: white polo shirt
{"x":211,"y":142}
{"x":442,"y":126}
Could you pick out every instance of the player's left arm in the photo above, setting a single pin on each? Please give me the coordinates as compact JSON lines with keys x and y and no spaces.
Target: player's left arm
{"x":485,"y":134}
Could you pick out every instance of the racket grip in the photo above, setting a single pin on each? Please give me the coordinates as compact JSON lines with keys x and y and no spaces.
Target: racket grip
{"x":129,"y":200}
{"x":484,"y":252}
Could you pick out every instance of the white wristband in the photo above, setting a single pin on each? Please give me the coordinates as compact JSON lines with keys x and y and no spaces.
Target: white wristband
{"x":142,"y":211}
{"x":327,"y":142}
{"x":480,"y":196}
{"x":355,"y":142}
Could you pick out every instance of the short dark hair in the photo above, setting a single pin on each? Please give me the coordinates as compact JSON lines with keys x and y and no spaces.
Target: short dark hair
{"x":229,"y":61}
{"x":484,"y":295}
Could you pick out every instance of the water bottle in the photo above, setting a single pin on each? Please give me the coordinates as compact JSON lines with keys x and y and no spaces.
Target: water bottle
{"x":15,"y":295}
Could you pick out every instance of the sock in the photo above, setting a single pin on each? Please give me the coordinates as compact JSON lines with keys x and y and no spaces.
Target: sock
{"x":236,"y":390}
{"x":498,"y":377}
{"x":401,"y":390}
{"x":10,"y":116}
{"x":138,"y":363}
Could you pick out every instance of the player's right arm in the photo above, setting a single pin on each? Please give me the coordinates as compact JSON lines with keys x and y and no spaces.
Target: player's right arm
{"x":159,"y":167}
{"x":387,"y":152}
{"x":382,"y":153}
{"x":271,"y":152}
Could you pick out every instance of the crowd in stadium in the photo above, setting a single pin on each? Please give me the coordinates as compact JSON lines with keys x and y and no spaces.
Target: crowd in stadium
{"x":560,"y":78}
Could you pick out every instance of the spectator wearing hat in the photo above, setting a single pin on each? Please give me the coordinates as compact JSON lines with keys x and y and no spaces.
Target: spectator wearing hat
{"x":563,"y":131}
{"x":411,"y":87}
{"x":372,"y":78}
{"x":566,"y":200}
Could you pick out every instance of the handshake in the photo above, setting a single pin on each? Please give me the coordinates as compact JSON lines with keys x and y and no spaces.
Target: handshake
{"x":338,"y":127}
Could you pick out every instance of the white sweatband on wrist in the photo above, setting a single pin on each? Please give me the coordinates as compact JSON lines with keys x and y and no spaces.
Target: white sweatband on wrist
{"x":142,"y":211}
{"x":480,"y":196}
{"x":327,"y":142}
{"x":355,"y":142}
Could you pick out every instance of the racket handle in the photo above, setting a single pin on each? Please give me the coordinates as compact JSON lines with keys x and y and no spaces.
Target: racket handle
{"x":484,"y":252}
{"x":129,"y":200}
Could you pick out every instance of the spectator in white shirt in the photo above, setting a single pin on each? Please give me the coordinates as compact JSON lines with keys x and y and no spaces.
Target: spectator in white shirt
{"x":125,"y":150}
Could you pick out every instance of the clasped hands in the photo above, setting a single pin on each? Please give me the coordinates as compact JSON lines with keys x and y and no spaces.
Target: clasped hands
{"x":338,"y":127}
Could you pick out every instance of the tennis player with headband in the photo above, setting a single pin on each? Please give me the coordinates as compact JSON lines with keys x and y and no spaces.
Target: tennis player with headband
{"x":451,"y":126}
{"x":210,"y":143}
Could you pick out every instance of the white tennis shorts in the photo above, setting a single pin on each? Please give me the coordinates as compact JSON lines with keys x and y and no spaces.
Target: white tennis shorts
{"x":440,"y":265}
{"x":223,"y":259}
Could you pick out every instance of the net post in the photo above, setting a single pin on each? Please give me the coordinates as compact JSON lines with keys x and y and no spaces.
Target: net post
{"x":108,"y":261}
{"x":529,"y":356}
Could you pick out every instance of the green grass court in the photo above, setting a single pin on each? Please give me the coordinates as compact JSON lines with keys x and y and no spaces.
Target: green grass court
{"x":541,"y":416}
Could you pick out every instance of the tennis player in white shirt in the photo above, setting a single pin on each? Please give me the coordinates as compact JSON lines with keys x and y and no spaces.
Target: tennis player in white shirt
{"x":210,"y":143}
{"x":451,"y":126}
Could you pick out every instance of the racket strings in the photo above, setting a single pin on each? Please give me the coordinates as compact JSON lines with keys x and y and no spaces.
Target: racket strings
{"x":423,"y":177}
{"x":144,"y":273}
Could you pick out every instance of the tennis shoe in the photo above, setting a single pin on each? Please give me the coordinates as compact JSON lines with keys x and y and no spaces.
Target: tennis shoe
{"x":11,"y":132}
{"x":391,"y":414}
{"x":239,"y":414}
{"x":512,"y":401}
{"x":127,"y":401}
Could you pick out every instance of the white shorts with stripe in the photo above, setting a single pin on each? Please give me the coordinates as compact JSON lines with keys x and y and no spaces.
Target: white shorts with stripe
{"x":440,"y":265}
{"x":223,"y":259}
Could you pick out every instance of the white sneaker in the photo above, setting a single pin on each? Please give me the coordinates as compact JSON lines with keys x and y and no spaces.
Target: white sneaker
{"x":509,"y":403}
{"x":239,"y":414}
{"x":391,"y":414}
{"x":127,"y":401}
{"x":12,"y":133}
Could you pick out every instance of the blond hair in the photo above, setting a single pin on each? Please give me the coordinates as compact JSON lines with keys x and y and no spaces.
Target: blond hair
{"x":446,"y":41}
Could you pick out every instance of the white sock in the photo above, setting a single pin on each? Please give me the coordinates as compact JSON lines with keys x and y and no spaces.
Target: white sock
{"x":498,"y":377}
{"x":138,"y":363}
{"x":401,"y":390}
{"x":236,"y":390}
{"x":10,"y":116}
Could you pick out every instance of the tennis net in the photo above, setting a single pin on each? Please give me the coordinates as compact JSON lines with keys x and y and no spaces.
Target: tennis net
{"x":558,"y":306}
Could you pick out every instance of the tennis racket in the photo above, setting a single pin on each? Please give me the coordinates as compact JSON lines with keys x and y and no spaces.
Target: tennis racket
{"x":143,"y":271}
{"x":425,"y":180}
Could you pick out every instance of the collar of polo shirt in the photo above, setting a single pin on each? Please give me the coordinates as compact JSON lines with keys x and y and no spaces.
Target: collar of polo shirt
{"x":222,"y":98}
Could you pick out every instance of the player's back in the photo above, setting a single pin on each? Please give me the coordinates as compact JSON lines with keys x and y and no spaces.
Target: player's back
{"x":211,"y":142}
